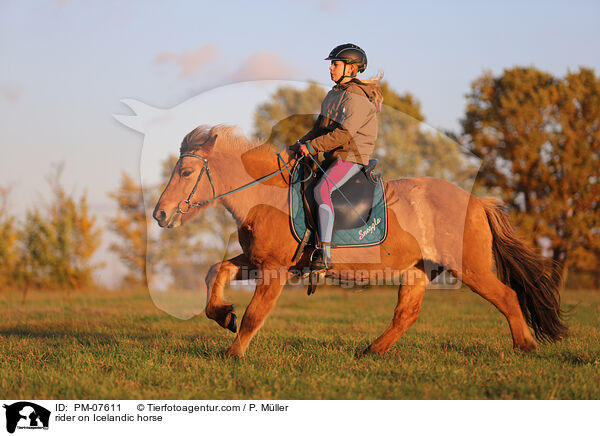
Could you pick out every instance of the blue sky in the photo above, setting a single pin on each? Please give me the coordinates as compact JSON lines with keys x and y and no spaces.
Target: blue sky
{"x":65,"y":65}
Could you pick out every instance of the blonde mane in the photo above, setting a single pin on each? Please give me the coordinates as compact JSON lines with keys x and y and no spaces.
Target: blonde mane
{"x":229,"y":139}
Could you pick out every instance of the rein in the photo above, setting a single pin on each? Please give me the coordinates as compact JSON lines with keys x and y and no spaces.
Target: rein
{"x":206,"y":169}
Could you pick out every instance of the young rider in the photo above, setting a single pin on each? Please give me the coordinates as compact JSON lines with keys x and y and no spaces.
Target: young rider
{"x":346,"y":129}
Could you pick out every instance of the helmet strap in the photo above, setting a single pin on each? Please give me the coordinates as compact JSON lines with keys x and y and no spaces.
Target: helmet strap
{"x":343,"y":75}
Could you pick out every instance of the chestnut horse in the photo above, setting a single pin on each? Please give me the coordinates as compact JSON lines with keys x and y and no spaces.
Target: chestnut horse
{"x":431,"y":221}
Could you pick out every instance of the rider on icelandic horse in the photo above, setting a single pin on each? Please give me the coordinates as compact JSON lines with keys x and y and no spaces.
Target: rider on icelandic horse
{"x":346,"y":130}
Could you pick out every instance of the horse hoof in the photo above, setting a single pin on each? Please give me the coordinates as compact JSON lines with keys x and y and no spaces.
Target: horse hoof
{"x":373,"y":351}
{"x":233,"y":354}
{"x":526,"y":348}
{"x":232,"y":323}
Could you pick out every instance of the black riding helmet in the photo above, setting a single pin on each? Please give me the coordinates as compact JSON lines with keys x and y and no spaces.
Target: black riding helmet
{"x":350,"y":54}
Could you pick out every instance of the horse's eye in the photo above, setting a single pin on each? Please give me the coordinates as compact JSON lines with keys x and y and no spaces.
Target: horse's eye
{"x":186,"y":173}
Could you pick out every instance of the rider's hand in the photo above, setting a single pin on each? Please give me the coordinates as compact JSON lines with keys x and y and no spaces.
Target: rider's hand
{"x":299,"y":148}
{"x":304,"y":150}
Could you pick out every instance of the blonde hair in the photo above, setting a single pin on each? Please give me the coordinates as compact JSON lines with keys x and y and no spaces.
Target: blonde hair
{"x":376,"y":93}
{"x":373,"y":80}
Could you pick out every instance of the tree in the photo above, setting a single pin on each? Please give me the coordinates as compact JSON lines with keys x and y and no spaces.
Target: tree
{"x":57,"y":246}
{"x":129,"y":225}
{"x":295,"y":111}
{"x":539,"y":140}
{"x":9,"y":249}
{"x":407,"y":147}
{"x":579,"y":134}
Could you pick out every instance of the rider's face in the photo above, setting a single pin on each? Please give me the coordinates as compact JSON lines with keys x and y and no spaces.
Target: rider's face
{"x":336,"y":70}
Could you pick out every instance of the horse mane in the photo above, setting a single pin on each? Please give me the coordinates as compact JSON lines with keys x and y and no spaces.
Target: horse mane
{"x":229,"y":139}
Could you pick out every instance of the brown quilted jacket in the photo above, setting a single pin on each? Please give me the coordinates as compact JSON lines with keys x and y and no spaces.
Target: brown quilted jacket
{"x":347,"y":125}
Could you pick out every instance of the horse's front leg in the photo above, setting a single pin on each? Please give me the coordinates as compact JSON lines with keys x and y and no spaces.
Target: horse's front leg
{"x":217,"y":308}
{"x":267,"y":291}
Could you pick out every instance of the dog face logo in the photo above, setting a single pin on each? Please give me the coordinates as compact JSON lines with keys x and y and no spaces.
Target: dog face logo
{"x":26,"y":415}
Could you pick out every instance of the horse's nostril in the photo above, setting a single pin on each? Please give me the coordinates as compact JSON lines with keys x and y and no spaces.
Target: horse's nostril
{"x":160,"y":215}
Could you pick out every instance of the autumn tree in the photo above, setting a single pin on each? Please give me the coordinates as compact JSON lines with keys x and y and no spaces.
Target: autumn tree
{"x":407,"y":147}
{"x":539,"y":140}
{"x":58,"y":241}
{"x":9,"y":249}
{"x":129,"y":224}
{"x":293,"y":109}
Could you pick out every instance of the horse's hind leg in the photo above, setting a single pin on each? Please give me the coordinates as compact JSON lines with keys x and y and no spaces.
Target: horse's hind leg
{"x":486,"y":284}
{"x":476,"y":272}
{"x":408,"y":308}
{"x":217,"y":308}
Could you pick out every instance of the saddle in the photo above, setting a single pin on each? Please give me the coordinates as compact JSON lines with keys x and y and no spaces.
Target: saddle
{"x":355,"y":209}
{"x":359,"y":207}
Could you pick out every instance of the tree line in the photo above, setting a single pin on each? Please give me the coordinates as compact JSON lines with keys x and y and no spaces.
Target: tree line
{"x":52,"y":247}
{"x":527,"y":137}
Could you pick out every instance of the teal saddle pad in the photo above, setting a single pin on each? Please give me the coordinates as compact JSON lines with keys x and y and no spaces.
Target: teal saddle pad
{"x":373,"y":233}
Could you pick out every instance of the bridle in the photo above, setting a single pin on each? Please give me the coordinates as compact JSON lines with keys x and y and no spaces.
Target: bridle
{"x":206,"y":169}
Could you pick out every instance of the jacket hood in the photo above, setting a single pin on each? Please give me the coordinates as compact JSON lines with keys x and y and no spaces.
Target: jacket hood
{"x":369,"y":88}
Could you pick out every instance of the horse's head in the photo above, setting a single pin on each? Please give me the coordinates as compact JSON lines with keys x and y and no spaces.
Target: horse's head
{"x":191,"y":181}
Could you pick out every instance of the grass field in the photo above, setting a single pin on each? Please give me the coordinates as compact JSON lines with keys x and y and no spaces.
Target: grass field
{"x":103,"y":345}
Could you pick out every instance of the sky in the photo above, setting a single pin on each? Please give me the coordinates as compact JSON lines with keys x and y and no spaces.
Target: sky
{"x":66,"y":65}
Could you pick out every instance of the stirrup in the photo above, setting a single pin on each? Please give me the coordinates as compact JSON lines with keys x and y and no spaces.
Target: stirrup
{"x":319,"y":260}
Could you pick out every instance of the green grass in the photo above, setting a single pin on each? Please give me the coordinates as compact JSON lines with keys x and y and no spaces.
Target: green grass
{"x":103,"y":345}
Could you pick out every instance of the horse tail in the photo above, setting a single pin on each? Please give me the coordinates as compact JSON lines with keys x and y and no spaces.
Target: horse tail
{"x":536,"y":279}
